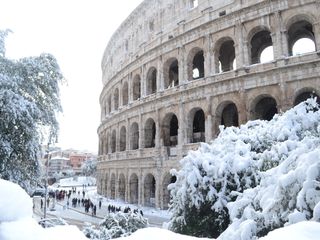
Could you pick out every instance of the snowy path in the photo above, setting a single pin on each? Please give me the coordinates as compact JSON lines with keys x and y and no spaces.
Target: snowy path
{"x":77,"y":215}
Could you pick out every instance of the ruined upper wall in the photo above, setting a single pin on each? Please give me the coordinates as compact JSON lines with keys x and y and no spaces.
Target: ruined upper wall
{"x":155,"y":22}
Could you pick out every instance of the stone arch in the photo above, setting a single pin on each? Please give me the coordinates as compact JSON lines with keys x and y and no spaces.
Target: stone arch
{"x":196,"y":125}
{"x":151,"y":81}
{"x":171,"y":73}
{"x":125,"y":93}
{"x":122,"y":187}
{"x":113,"y":186}
{"x":264,"y":107}
{"x":196,"y":64}
{"x":304,"y":94}
{"x":150,"y":190}
{"x":136,"y":91}
{"x":168,"y":179}
{"x":227,"y":114}
{"x":299,"y":27}
{"x":259,"y":39}
{"x":149,"y":133}
{"x":113,"y":141}
{"x":134,"y":136}
{"x":123,"y":138}
{"x":116,"y":99}
{"x":134,"y":189}
{"x":170,"y":126}
{"x":225,"y":54}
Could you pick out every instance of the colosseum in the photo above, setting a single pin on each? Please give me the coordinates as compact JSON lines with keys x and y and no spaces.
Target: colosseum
{"x":177,"y":69}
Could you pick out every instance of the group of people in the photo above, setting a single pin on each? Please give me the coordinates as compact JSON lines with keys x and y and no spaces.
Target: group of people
{"x":113,"y":209}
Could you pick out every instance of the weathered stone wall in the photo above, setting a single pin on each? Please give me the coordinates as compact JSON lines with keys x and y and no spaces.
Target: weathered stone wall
{"x":174,"y":71}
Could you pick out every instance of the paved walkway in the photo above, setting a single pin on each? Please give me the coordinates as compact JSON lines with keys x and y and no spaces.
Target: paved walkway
{"x":155,"y":217}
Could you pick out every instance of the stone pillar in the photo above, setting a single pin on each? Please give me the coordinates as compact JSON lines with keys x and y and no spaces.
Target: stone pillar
{"x":127,"y":135}
{"x":182,"y":125}
{"x":117,"y":138}
{"x":160,"y":80}
{"x":207,"y":56}
{"x":143,"y":81}
{"x":141,"y":133}
{"x":183,"y":71}
{"x":116,"y":186}
{"x":241,"y":47}
{"x":140,"y":189}
{"x":316,"y":31}
{"x":279,"y":38}
{"x":130,"y":88}
{"x":158,"y":130}
{"x":157,"y":193}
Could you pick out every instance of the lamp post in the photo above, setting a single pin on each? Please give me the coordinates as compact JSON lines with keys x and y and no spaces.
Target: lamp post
{"x":46,"y":185}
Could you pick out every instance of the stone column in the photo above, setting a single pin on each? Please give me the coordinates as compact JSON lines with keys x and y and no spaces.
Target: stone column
{"x":183,"y":71}
{"x":130,"y":88}
{"x":241,"y":47}
{"x":158,"y":130}
{"x":182,"y":125}
{"x":141,"y":133}
{"x":316,"y":30}
{"x":127,"y":135}
{"x":143,"y":81}
{"x":160,"y":83}
{"x":207,"y":56}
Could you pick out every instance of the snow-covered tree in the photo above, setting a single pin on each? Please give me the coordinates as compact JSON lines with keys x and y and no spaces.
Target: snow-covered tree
{"x":29,"y":102}
{"x":252,"y":179}
{"x":89,"y":167}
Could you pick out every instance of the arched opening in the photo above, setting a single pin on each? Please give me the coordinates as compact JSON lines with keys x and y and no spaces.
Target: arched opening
{"x":265,"y":109}
{"x":226,"y":56}
{"x":125,"y":94}
{"x":150,"y":133}
{"x":134,"y":134}
{"x":196,"y":126}
{"x":136,"y":87}
{"x":267,"y":55}
{"x":113,"y":141}
{"x":304,"y":95}
{"x":134,"y":189}
{"x":113,"y":186}
{"x":302,"y":46}
{"x":259,"y":42}
{"x":171,"y":73}
{"x":229,"y":116}
{"x":150,"y":191}
{"x":170,"y":130}
{"x":168,"y":179}
{"x":298,"y":33}
{"x":152,"y":81}
{"x":116,"y":99}
{"x":198,"y":65}
{"x":122,"y":187}
{"x":123,"y":137}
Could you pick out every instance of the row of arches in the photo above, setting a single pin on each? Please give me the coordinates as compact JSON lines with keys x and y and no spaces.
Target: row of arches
{"x":126,"y":188}
{"x":263,"y":107}
{"x":300,"y":39}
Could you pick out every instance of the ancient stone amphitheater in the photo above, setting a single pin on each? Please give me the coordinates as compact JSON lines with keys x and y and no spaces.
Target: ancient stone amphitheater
{"x":177,"y":69}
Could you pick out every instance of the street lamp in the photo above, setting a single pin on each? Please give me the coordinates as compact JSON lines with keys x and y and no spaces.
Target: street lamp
{"x":46,"y":185}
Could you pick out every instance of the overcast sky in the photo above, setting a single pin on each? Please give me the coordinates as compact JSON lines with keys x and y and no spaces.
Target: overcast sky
{"x":76,"y":32}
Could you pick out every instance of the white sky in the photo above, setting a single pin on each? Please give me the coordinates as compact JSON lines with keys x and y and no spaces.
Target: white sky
{"x":76,"y":32}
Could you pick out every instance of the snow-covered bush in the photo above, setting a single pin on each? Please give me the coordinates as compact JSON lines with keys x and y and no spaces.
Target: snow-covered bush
{"x":116,"y":225}
{"x":258,"y":177}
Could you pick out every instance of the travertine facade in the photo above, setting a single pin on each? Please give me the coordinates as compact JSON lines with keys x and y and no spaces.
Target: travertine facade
{"x":177,"y":69}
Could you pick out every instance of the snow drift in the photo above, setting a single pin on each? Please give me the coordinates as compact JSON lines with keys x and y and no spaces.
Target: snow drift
{"x":261,"y":176}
